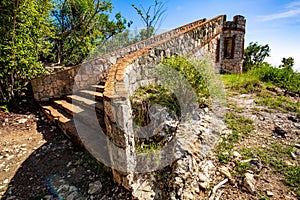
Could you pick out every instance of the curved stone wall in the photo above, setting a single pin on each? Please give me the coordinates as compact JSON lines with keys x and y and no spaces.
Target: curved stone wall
{"x":127,"y":69}
{"x":90,"y":72}
{"x":131,"y":72}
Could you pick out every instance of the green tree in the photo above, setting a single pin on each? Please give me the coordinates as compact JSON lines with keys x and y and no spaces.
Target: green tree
{"x":287,"y":63}
{"x":25,"y":31}
{"x":151,"y":17}
{"x":255,"y":54}
{"x":82,"y":25}
{"x":114,"y":43}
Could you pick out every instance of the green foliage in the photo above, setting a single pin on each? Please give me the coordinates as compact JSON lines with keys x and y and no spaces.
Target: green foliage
{"x":287,"y":63}
{"x":81,"y":25}
{"x":276,"y":156}
{"x":195,"y":74}
{"x":244,"y":83}
{"x":4,"y":108}
{"x":293,"y":177}
{"x":277,"y":102}
{"x":153,"y":94}
{"x":241,"y":127}
{"x":255,"y":54}
{"x":118,"y":41}
{"x":148,"y":147}
{"x":264,"y":197}
{"x":144,"y":34}
{"x":284,"y":78}
{"x":25,"y":31}
{"x":253,"y":80}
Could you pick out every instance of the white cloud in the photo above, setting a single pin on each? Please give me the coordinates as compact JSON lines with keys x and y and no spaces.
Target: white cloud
{"x":292,"y":10}
{"x":282,"y":15}
{"x":293,"y":4}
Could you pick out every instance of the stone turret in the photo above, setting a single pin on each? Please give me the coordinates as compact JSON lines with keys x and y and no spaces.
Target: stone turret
{"x":232,"y":45}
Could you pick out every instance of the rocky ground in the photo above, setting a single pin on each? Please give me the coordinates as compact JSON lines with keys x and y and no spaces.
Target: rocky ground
{"x":254,"y":169}
{"x":38,"y":162}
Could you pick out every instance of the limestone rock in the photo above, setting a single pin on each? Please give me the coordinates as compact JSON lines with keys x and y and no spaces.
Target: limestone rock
{"x":224,"y":170}
{"x":73,"y":196}
{"x":269,"y":193}
{"x":95,"y":188}
{"x":236,"y":154}
{"x":142,"y":189}
{"x":22,"y":121}
{"x":249,"y":182}
{"x":204,"y":181}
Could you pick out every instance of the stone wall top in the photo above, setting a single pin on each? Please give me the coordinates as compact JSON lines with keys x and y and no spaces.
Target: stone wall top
{"x":116,"y":72}
{"x":45,"y":87}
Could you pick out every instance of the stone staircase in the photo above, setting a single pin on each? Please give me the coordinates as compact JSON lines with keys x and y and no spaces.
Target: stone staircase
{"x":97,"y":115}
{"x":82,"y":105}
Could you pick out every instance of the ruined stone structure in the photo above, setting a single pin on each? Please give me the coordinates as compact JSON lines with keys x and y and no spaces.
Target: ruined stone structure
{"x":101,"y":88}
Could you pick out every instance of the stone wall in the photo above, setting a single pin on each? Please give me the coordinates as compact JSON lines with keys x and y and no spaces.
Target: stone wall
{"x":134,"y":71}
{"x":92,"y":71}
{"x":129,"y":68}
{"x":234,"y":33}
{"x":210,"y":39}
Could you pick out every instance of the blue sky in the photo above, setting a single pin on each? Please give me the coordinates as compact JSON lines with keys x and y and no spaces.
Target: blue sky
{"x":273,"y":22}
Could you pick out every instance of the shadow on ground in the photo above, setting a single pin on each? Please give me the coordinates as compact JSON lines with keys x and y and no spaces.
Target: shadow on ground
{"x":55,"y":164}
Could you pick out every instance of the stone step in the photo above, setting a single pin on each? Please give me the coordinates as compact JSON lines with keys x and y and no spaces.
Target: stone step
{"x":54,"y":115}
{"x":87,"y":116}
{"x":78,"y":132}
{"x":90,"y":138}
{"x":86,"y":102}
{"x":91,"y":94}
{"x":102,"y":83}
{"x":68,"y":107}
{"x":97,"y":88}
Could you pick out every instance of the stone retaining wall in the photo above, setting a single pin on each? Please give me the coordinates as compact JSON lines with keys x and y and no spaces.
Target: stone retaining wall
{"x":129,"y":68}
{"x":132,"y":72}
{"x":90,"y":72}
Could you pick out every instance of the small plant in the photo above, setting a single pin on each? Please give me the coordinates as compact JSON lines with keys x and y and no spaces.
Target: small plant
{"x":235,"y":107}
{"x":241,"y":168}
{"x":151,"y":95}
{"x":293,"y":177}
{"x":148,"y":147}
{"x":241,"y":128}
{"x":263,"y":197}
{"x":276,"y":102}
{"x":276,"y":157}
{"x":195,"y":74}
{"x":4,"y":108}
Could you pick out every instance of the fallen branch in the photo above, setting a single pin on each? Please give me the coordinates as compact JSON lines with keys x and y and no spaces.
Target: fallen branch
{"x":220,"y":194}
{"x":214,"y":191}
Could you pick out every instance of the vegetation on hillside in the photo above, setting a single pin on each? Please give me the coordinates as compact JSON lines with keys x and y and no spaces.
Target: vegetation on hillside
{"x":275,"y":89}
{"x":25,"y":35}
{"x":58,"y":32}
{"x":81,"y":25}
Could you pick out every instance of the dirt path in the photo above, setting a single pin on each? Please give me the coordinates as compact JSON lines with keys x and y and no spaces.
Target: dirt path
{"x":274,"y":133}
{"x":38,"y":162}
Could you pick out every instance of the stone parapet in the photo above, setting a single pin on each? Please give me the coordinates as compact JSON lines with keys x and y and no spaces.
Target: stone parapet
{"x":129,"y":68}
{"x":134,"y":71}
{"x":90,"y":72}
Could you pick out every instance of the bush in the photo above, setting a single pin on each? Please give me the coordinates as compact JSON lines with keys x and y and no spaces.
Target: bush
{"x":264,"y":72}
{"x":284,"y":78}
